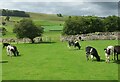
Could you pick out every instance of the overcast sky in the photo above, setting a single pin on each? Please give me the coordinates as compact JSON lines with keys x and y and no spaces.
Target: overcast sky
{"x":66,"y":7}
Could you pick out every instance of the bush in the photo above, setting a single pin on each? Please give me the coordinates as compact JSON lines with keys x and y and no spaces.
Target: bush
{"x":27,"y":29}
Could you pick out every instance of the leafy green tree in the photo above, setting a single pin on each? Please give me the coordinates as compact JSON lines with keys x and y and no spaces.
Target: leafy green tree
{"x":59,"y":15}
{"x":27,"y":29}
{"x":111,"y":23}
{"x":96,"y":25}
{"x":71,"y":26}
{"x":6,"y":12}
{"x":3,"y":11}
{"x":7,"y":18}
{"x":3,"y":31}
{"x":90,"y":24}
{"x":82,"y":24}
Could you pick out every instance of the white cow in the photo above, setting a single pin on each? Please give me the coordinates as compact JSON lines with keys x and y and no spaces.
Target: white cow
{"x":12,"y":50}
{"x":109,"y":51}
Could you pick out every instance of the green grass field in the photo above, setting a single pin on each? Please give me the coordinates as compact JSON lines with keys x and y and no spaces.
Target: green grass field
{"x":48,"y":22}
{"x":56,"y":62}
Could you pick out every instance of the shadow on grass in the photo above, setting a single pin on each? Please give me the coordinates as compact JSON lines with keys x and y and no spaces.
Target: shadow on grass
{"x":117,"y":62}
{"x":75,"y":49}
{"x":3,"y":61}
{"x":41,"y":43}
{"x":45,"y":43}
{"x":101,"y":60}
{"x":17,"y":55}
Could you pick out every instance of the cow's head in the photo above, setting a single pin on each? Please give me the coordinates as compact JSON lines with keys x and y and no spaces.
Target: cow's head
{"x":107,"y":51}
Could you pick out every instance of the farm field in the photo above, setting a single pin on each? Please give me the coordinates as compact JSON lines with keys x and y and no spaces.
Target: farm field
{"x":55,"y":61}
{"x":48,"y":22}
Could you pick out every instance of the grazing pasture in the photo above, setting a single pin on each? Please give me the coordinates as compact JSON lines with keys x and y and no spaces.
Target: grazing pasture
{"x":55,"y":61}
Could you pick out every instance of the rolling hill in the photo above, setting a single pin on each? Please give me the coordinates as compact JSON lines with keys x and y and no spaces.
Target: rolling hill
{"x":47,"y":21}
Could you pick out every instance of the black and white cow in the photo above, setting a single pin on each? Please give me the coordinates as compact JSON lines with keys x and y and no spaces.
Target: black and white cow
{"x":74,"y":43}
{"x":90,"y":51}
{"x":12,"y":50}
{"x":5,"y":44}
{"x":116,"y":51}
{"x":109,"y":51}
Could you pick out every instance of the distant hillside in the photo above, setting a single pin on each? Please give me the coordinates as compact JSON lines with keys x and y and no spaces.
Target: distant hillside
{"x":6,"y":12}
{"x":47,"y":21}
{"x":32,"y":15}
{"x":42,"y":16}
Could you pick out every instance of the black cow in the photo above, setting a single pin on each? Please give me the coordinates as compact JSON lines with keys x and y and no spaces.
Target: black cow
{"x":74,"y":43}
{"x":5,"y":44}
{"x":90,"y":51}
{"x":116,"y":51}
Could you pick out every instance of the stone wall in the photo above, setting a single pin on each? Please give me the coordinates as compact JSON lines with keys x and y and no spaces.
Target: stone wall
{"x":93,"y":36}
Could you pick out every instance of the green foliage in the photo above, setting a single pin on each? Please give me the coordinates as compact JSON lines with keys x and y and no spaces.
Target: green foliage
{"x":7,"y":18}
{"x":6,"y":12}
{"x":3,"y":23}
{"x":90,"y":24}
{"x":59,"y":15}
{"x":3,"y":31}
{"x":26,"y":28}
{"x":112,"y":23}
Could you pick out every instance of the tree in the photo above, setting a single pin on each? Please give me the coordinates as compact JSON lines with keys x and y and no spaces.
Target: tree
{"x":3,"y":12}
{"x":74,"y":25}
{"x":59,"y":15}
{"x":7,"y":18}
{"x":3,"y":23}
{"x":3,"y":31}
{"x":6,"y":12}
{"x":27,"y":29}
{"x":111,"y":23}
{"x":82,"y":25}
{"x":96,"y":25}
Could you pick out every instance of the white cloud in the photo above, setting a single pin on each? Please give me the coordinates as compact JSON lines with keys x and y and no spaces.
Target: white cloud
{"x":67,"y":8}
{"x":59,"y":1}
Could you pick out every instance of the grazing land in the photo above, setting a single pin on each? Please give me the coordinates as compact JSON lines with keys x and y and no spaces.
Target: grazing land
{"x":55,"y":61}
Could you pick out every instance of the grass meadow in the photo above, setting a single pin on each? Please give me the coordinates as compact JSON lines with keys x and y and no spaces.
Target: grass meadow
{"x":55,"y":61}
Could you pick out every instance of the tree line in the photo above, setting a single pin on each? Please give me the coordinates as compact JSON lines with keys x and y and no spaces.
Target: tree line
{"x":6,"y":12}
{"x":90,"y":24}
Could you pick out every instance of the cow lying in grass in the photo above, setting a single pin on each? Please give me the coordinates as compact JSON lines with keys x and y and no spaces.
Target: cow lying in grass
{"x":12,"y":50}
{"x":74,"y":43}
{"x":90,"y":51}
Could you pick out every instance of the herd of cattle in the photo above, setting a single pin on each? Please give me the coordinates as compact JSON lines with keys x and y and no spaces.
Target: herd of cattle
{"x":90,"y":51}
{"x":109,"y":51}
